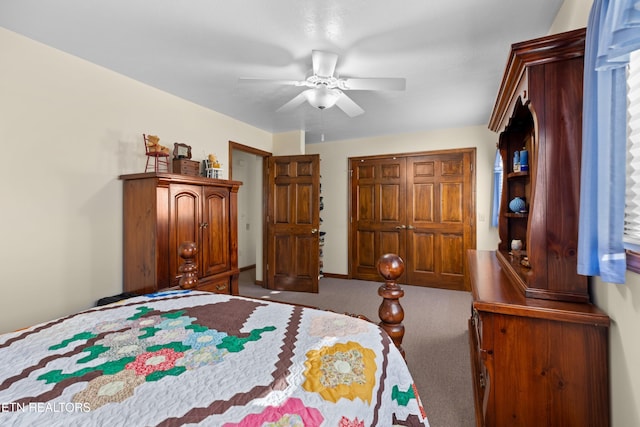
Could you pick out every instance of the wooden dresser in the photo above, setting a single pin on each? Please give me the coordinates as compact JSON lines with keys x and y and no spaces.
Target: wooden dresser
{"x":539,"y":348}
{"x":163,"y":210}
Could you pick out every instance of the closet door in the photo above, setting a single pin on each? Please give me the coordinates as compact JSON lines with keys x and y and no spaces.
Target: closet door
{"x":439,"y":217}
{"x":378,"y":212}
{"x":419,"y":206}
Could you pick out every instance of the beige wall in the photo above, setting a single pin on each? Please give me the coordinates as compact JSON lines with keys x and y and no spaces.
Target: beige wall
{"x":620,"y":302}
{"x":68,"y":130}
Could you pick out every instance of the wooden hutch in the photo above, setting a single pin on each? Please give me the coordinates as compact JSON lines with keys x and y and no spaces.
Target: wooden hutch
{"x":163,"y":210}
{"x":539,"y":348}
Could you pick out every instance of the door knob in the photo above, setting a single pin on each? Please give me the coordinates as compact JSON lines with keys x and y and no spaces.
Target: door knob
{"x":314,"y":230}
{"x":410,"y":227}
{"x":400,"y":227}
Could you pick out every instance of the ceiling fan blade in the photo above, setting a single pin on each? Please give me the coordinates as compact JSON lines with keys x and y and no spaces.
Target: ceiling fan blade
{"x":347,"y":105}
{"x":382,"y":83}
{"x":324,"y":63}
{"x":298,"y":100}
{"x":251,"y":80}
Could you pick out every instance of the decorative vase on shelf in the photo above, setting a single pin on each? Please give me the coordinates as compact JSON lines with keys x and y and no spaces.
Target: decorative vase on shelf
{"x":517,"y":205}
{"x":516,"y":244}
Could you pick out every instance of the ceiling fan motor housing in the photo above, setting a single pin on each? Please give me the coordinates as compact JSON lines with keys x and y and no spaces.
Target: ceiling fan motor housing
{"x":322,"y":96}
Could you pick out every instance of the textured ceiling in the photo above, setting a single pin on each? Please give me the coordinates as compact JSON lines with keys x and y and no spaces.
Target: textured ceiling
{"x":452,"y":53}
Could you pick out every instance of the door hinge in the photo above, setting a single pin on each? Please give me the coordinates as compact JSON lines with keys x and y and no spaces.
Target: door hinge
{"x":350,"y":173}
{"x":267,"y":267}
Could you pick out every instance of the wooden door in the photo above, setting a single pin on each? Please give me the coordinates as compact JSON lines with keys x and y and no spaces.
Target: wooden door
{"x":184,"y":223}
{"x":378,"y":213}
{"x":419,"y":206}
{"x":214,"y":252}
{"x":440,"y":215}
{"x":293,"y":219}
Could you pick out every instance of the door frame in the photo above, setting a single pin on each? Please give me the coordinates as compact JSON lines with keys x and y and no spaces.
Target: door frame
{"x":265,"y":178}
{"x":473,"y":214}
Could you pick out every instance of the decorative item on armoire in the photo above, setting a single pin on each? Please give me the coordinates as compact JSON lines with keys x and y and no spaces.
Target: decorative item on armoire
{"x":157,"y":155}
{"x":212,"y":167}
{"x":182,"y":162}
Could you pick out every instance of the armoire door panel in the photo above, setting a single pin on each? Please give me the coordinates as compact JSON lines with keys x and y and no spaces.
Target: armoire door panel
{"x":215,"y":232}
{"x":185,"y":220}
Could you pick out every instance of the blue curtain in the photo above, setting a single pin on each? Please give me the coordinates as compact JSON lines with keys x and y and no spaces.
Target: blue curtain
{"x":497,"y":189}
{"x":613,"y":32}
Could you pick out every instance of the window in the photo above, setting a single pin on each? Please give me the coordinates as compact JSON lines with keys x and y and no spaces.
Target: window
{"x":497,"y":189}
{"x":632,"y":194}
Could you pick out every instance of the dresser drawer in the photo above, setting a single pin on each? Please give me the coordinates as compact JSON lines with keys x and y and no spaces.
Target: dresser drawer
{"x":186,"y":167}
{"x":219,"y":286}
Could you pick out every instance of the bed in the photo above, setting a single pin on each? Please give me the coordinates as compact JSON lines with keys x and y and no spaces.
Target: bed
{"x":186,"y":357}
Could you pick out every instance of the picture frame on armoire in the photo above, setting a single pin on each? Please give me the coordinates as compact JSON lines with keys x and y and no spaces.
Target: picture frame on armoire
{"x":181,"y":151}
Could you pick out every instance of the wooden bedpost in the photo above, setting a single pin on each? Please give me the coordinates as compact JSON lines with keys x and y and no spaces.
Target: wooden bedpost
{"x":189,"y":268}
{"x":391,"y":313}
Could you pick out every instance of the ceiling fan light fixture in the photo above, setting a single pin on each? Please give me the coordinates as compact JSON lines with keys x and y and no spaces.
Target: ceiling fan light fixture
{"x":322,"y":97}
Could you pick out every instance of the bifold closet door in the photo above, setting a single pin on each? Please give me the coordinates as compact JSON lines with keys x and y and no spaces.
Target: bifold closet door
{"x":418,"y":206}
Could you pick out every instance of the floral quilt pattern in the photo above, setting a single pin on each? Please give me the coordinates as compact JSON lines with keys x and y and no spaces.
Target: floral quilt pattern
{"x":179,"y":358}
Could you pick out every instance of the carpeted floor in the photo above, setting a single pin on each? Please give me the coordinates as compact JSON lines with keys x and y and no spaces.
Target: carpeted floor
{"x":436,"y":337}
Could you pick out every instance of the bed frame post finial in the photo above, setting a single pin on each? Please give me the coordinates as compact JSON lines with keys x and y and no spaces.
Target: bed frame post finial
{"x":391,"y":313}
{"x":189,"y":268}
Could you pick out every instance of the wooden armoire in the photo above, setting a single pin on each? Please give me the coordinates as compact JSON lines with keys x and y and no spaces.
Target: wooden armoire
{"x":539,"y":347}
{"x":163,"y":210}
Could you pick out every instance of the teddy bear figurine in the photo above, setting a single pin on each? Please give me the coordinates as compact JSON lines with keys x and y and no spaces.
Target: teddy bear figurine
{"x":153,"y":145}
{"x":213,"y":162}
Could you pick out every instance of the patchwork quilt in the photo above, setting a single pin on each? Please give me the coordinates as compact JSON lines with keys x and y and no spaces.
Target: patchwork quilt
{"x":188,"y":357}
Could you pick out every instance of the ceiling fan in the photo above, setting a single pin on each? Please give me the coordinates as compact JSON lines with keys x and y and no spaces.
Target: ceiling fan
{"x":326,"y":89}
